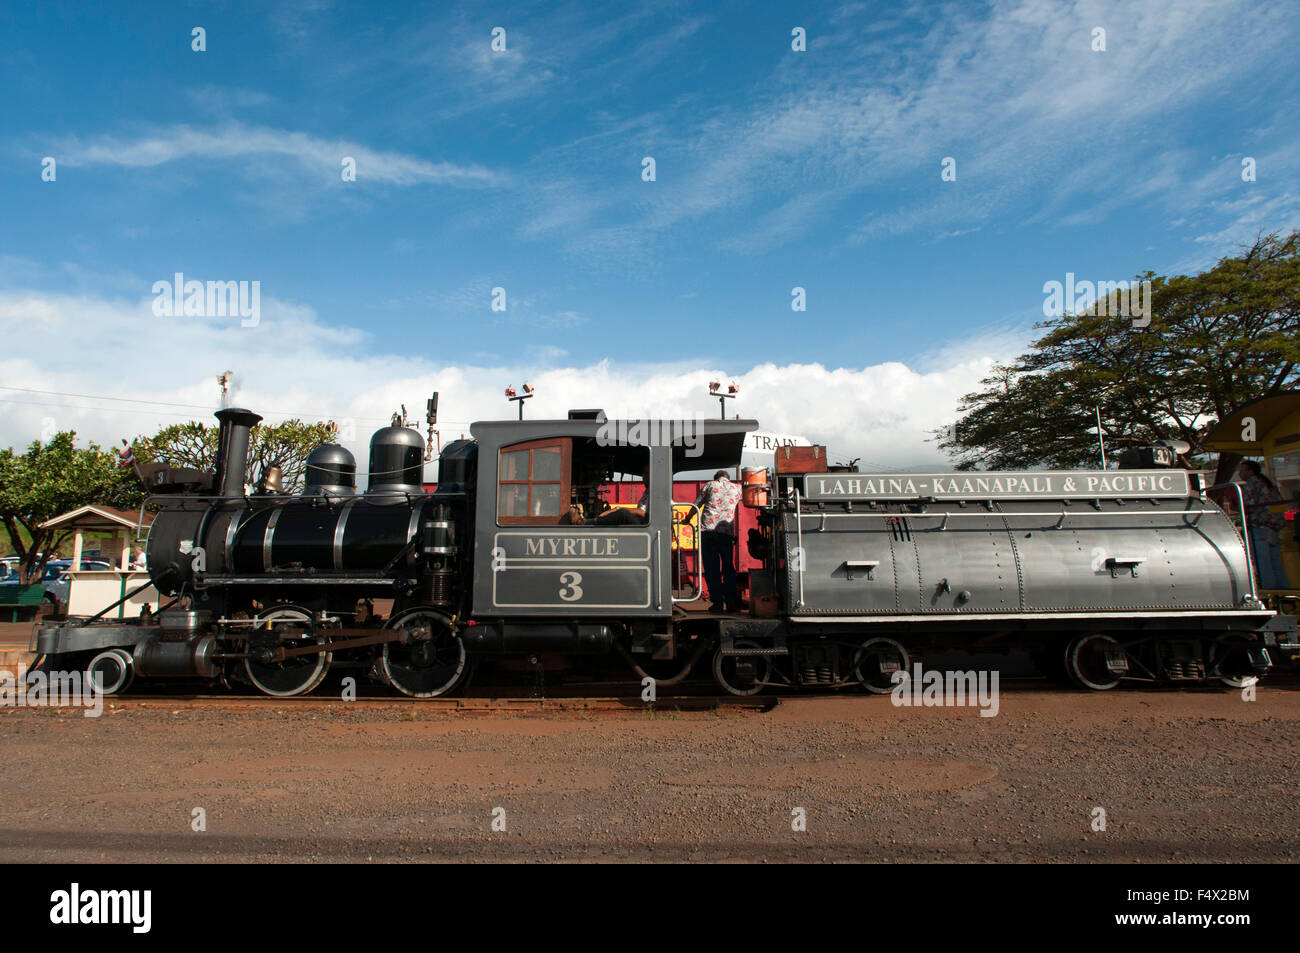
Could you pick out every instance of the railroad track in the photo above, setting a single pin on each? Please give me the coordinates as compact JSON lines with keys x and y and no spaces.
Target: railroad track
{"x":604,"y":704}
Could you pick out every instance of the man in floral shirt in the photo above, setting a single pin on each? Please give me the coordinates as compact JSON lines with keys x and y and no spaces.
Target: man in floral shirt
{"x":717,"y":502}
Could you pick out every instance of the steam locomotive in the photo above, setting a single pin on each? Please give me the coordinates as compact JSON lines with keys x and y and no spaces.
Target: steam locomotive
{"x":1104,"y":576}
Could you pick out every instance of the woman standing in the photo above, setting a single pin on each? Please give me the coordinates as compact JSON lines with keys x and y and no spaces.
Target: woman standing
{"x":1265,"y":544}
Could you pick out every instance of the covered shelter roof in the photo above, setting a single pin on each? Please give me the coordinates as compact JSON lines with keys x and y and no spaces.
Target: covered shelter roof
{"x":99,"y":518}
{"x":1276,"y":422}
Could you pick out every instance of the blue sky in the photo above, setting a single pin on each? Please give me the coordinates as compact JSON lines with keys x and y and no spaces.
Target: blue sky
{"x":522,"y":169}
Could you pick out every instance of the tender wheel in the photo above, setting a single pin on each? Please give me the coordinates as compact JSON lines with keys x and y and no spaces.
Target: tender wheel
{"x":292,"y":628}
{"x":429,"y":661}
{"x":740,"y":674}
{"x":876,"y":661}
{"x":1085,"y":662}
{"x":111,"y":672}
{"x":1230,"y":661}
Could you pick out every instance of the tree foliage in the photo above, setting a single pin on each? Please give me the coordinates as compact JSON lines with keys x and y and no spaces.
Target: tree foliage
{"x":194,"y":444}
{"x":49,"y":479}
{"x":1216,"y":341}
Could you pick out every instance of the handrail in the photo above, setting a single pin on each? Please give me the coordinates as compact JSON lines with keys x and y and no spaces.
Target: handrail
{"x":675,"y":521}
{"x":1013,"y":514}
{"x":1245,"y":531}
{"x":282,"y":497}
{"x":254,"y":498}
{"x":798,"y":524}
{"x":654,"y":563}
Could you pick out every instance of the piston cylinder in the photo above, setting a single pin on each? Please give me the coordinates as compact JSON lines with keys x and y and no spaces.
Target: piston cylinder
{"x":154,"y":658}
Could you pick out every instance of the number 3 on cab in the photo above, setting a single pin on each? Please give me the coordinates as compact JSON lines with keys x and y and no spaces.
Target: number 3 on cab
{"x":570,"y":590}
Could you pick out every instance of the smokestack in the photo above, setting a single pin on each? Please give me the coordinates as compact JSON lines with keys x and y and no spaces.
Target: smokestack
{"x":232,"y":449}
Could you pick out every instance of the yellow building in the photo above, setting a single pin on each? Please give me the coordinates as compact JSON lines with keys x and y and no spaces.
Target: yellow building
{"x":1268,"y":429}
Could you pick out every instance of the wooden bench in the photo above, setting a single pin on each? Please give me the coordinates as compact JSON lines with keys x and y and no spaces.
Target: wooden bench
{"x":19,"y":598}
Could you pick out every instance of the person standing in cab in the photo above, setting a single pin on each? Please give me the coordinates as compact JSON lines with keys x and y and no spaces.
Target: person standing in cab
{"x":1258,"y":491}
{"x":717,"y":502}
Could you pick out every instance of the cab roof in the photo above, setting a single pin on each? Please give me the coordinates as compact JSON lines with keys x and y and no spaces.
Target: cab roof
{"x":697,"y":444}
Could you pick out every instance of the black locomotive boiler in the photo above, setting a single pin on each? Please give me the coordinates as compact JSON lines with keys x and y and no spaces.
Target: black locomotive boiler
{"x":1104,"y":575}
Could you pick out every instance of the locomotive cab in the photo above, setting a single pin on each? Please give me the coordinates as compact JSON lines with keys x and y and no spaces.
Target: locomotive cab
{"x":548,"y":545}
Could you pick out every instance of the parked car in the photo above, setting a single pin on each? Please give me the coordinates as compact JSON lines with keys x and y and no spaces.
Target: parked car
{"x":57,"y":582}
{"x":55,"y":578}
{"x":9,"y":566}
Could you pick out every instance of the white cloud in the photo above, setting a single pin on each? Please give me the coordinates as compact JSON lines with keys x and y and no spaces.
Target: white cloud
{"x":291,"y":363}
{"x":238,"y":141}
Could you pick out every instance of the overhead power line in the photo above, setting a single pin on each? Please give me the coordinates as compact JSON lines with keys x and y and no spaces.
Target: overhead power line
{"x":141,"y":411}
{"x":105,"y":410}
{"x":163,"y":403}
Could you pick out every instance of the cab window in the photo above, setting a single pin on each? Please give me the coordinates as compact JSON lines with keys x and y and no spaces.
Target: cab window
{"x":533,"y":482}
{"x":572,"y":482}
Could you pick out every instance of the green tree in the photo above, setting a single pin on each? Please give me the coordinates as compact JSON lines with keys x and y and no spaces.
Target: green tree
{"x":47,"y":480}
{"x":1216,"y":341}
{"x":194,"y":444}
